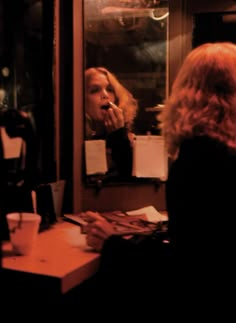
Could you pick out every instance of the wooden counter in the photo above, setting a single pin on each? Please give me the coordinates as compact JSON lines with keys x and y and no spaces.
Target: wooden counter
{"x":61,"y":260}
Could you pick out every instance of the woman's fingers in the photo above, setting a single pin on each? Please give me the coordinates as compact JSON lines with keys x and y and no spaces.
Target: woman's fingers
{"x":98,"y":230}
{"x":94,"y":242}
{"x":97,"y":233}
{"x":101,"y":229}
{"x":115,"y":118}
{"x":92,"y":216}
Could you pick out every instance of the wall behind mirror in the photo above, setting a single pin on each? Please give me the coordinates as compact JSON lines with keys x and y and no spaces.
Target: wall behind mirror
{"x":26,"y":65}
{"x":130,"y":39}
{"x":26,"y":102}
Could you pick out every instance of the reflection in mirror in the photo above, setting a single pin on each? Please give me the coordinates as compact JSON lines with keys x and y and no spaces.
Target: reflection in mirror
{"x":129,"y":39}
{"x":110,"y":110}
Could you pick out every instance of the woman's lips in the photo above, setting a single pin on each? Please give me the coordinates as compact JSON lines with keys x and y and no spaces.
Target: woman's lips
{"x":105,"y":106}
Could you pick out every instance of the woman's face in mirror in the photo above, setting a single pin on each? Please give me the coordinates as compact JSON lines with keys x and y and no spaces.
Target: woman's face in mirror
{"x":98,"y":92}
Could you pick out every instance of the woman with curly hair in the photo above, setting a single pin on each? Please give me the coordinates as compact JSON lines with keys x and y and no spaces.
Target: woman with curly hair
{"x":110,"y":111}
{"x":199,"y":127}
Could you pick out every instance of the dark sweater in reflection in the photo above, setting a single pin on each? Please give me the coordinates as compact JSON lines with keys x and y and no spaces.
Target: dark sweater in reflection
{"x":145,"y":274}
{"x":119,"y":145}
{"x":119,"y":156}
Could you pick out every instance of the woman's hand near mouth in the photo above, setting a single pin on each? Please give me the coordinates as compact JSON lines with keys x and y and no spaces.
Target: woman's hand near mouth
{"x":114,"y":119}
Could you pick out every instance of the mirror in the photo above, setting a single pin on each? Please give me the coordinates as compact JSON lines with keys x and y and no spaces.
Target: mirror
{"x":130,"y":39}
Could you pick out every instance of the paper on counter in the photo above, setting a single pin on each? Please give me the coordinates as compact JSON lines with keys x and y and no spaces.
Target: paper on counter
{"x":151,"y":213}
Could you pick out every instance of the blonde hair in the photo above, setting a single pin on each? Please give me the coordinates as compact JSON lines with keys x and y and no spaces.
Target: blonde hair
{"x":124,"y":99}
{"x":203,"y":97}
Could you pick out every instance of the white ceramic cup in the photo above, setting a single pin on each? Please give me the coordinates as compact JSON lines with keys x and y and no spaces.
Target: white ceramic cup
{"x":23,"y":230}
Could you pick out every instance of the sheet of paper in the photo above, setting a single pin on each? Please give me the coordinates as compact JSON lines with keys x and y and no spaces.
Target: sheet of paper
{"x":11,"y":146}
{"x":95,"y":156}
{"x":150,"y":157}
{"x":151,"y":213}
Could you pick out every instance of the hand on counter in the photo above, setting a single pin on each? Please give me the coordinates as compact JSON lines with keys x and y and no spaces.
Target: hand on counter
{"x":98,"y":230}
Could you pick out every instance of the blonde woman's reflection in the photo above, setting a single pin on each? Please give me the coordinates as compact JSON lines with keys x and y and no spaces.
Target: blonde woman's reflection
{"x":110,"y":111}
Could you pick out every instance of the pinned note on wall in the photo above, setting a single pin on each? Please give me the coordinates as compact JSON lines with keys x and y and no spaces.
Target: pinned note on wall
{"x":11,"y":146}
{"x":95,"y":155}
{"x":150,"y":157}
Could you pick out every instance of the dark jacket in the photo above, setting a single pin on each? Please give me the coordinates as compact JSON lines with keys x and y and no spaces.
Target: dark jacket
{"x":201,"y":196}
{"x":198,"y":263}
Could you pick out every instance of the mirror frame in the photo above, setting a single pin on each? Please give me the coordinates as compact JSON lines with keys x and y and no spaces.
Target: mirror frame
{"x":143,"y":194}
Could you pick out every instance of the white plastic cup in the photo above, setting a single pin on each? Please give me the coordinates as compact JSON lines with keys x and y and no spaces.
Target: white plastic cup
{"x":23,"y":230}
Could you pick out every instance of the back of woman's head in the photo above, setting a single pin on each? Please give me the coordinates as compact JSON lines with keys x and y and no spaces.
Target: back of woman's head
{"x":203,"y":96}
{"x":124,"y":98}
{"x":210,"y":68}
